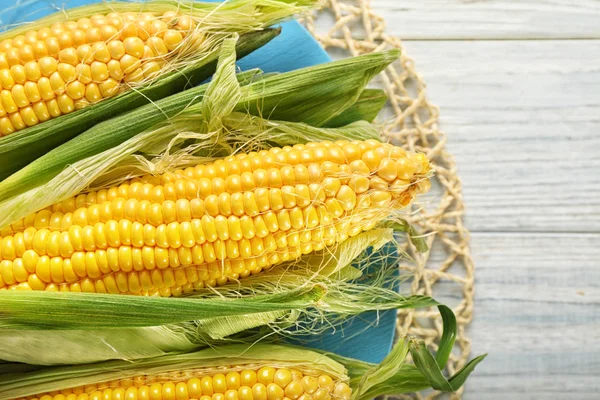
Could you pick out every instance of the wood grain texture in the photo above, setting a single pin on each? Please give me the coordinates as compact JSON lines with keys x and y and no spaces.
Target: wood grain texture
{"x":522,"y":121}
{"x":537,"y":315}
{"x":491,"y":19}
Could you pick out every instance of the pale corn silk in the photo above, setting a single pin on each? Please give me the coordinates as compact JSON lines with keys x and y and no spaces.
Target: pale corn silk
{"x":412,"y":121}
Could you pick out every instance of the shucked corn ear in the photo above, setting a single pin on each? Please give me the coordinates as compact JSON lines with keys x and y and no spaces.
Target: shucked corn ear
{"x":209,"y":224}
{"x":57,"y":69}
{"x":91,"y":53}
{"x":243,"y":382}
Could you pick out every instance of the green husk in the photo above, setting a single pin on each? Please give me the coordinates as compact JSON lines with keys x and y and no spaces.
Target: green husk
{"x":71,"y":310}
{"x":315,"y":93}
{"x":21,"y":148}
{"x":366,"y":108}
{"x":299,"y":294}
{"x":392,"y":376}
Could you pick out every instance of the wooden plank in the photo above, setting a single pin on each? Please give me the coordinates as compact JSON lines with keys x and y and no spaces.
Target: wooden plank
{"x":497,"y":19}
{"x":537,"y":315}
{"x":522,"y":120}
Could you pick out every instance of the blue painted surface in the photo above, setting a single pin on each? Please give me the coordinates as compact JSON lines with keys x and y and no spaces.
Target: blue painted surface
{"x":367,"y":337}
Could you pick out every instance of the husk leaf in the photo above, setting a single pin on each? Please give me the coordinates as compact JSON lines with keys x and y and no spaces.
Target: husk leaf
{"x":392,"y":376}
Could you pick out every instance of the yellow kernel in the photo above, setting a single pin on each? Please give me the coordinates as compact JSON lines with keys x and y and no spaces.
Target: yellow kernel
{"x":325,"y":382}
{"x":67,"y":72}
{"x":75,"y":90}
{"x":129,"y":63}
{"x":275,"y":392}
{"x":405,"y":168}
{"x":101,"y":53}
{"x":387,"y":169}
{"x":157,"y":45}
{"x":93,"y":35}
{"x":6,"y":79}
{"x":181,"y":391}
{"x":134,"y":46}
{"x":79,"y":37}
{"x":57,"y":83}
{"x":32,"y":92}
{"x":99,"y":71}
{"x":109,"y":87}
{"x":17,"y":121}
{"x":282,"y":377}
{"x":39,"y":49}
{"x":92,"y":93}
{"x":108,"y":32}
{"x":65,"y":40}
{"x":172,"y":39}
{"x":53,"y":108}
{"x":29,"y":116}
{"x":19,"y":96}
{"x":114,"y":70}
{"x":26,"y":53}
{"x":45,"y":88}
{"x":85,"y":54}
{"x":32,"y":71}
{"x":194,"y":388}
{"x":65,"y":103}
{"x":68,"y":56}
{"x":116,"y":49}
{"x":48,"y":66}
{"x":321,"y":394}
{"x":259,"y":391}
{"x":310,"y":384}
{"x":294,"y":390}
{"x":6,"y":127}
{"x":12,"y":56}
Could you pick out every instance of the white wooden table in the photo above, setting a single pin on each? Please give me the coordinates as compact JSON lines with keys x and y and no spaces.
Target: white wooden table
{"x":518,"y":83}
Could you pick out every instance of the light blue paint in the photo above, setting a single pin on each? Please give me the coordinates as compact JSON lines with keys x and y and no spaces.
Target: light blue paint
{"x":293,"y":49}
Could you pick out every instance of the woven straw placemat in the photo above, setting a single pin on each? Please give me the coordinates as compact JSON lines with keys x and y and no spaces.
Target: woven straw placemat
{"x":413,"y":122}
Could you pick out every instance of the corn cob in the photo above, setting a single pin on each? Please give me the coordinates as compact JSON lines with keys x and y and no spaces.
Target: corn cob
{"x":213,"y":223}
{"x":58,"y":69}
{"x":245,"y":382}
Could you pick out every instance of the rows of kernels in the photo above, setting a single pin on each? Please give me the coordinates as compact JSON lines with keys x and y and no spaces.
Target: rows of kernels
{"x":182,"y":223}
{"x":274,"y":168}
{"x":58,"y":69}
{"x":147,"y":270}
{"x":266,"y":383}
{"x":195,"y":184}
{"x":108,"y":234}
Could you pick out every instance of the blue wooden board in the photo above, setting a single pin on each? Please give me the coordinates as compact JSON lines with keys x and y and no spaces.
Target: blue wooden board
{"x":367,"y":337}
